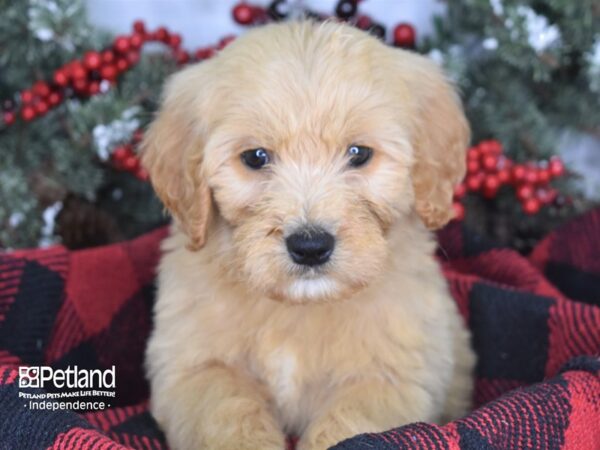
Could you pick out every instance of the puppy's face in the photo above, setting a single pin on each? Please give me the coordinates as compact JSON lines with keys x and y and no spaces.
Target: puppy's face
{"x":298,"y":148}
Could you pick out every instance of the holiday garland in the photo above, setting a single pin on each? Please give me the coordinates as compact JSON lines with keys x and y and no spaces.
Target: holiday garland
{"x":97,"y":70}
{"x":488,"y":170}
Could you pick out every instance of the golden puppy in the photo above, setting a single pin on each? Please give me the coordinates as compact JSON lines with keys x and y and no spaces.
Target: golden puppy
{"x":298,"y":292}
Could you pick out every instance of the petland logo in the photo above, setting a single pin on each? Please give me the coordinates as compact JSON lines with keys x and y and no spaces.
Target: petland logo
{"x":70,"y":378}
{"x":71,"y":389}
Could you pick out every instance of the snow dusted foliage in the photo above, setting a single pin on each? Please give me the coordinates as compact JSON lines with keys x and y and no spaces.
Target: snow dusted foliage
{"x":119,"y":131}
{"x":593,"y":59}
{"x":539,"y":32}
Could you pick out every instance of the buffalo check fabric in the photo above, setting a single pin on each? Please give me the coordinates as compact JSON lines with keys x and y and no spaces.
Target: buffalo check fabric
{"x":535,"y":326}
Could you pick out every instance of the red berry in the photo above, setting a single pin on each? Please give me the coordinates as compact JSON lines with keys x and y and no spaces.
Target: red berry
{"x":61,"y":78}
{"x":175,"y":40}
{"x":549,"y":195}
{"x":41,"y":88}
{"x":108,"y":57}
{"x":182,"y":56}
{"x":204,"y":53}
{"x":109,"y":72}
{"x":404,"y":35}
{"x":460,"y":190}
{"x":473,"y":153}
{"x":136,"y":41}
{"x":81,"y":85}
{"x":121,"y":44}
{"x":491,"y":184}
{"x":491,"y":146}
{"x":557,"y":168}
{"x":162,"y":34}
{"x":131,"y":163}
{"x":518,"y":174}
{"x":9,"y":117}
{"x":41,"y":108}
{"x":120,"y":153}
{"x":92,"y":60}
{"x":141,"y":174}
{"x":543,"y":176}
{"x":531,"y":175}
{"x":54,"y":98}
{"x":28,"y":113}
{"x":138,"y":135}
{"x":474,"y":182}
{"x":363,"y":22}
{"x":504,"y":176}
{"x":459,"y":210}
{"x":225,"y":41}
{"x":490,"y":163}
{"x":472,"y":166}
{"x":26,"y":96}
{"x":78,"y":72}
{"x":243,"y":14}
{"x":525,"y":192}
{"x":139,"y":27}
{"x":122,"y":65}
{"x":94,"y":88}
{"x":531,"y":206}
{"x":543,"y":195}
{"x":133,"y":57}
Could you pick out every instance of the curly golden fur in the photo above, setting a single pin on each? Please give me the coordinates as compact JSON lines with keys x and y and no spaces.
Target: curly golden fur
{"x":247,"y":345}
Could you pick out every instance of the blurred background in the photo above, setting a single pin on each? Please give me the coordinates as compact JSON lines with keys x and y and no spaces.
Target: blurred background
{"x":201,"y":21}
{"x":80,"y":80}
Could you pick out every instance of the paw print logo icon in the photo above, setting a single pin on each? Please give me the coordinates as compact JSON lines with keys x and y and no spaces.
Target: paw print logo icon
{"x":29,"y":377}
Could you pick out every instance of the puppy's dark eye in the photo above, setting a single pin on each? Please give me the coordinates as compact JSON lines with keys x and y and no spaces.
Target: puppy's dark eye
{"x":359,"y":155}
{"x":255,"y":158}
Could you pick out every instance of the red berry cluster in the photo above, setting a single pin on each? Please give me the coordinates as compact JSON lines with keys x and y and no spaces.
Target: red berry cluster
{"x":84,"y":77}
{"x":36,"y":101}
{"x":124,"y":157}
{"x":488,"y":170}
{"x":366,"y":23}
{"x":245,"y":13}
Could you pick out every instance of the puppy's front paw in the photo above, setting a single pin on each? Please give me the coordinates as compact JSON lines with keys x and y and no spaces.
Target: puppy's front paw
{"x":252,"y":441}
{"x":240,"y":430}
{"x":216,"y":408}
{"x":329,"y":431}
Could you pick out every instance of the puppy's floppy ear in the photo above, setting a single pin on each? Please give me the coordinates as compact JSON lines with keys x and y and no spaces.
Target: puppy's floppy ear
{"x":440,"y":137}
{"x":172,"y":154}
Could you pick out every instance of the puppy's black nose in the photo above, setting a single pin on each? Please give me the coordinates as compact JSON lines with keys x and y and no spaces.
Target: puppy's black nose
{"x":310,"y":246}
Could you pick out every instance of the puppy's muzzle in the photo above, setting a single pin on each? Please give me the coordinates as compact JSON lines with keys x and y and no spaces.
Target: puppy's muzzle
{"x":310,"y":246}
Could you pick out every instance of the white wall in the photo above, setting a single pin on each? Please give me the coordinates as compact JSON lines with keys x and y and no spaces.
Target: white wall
{"x":204,"y":22}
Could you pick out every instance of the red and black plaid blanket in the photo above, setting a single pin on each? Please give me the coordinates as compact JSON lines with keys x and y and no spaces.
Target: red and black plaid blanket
{"x":535,"y":324}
